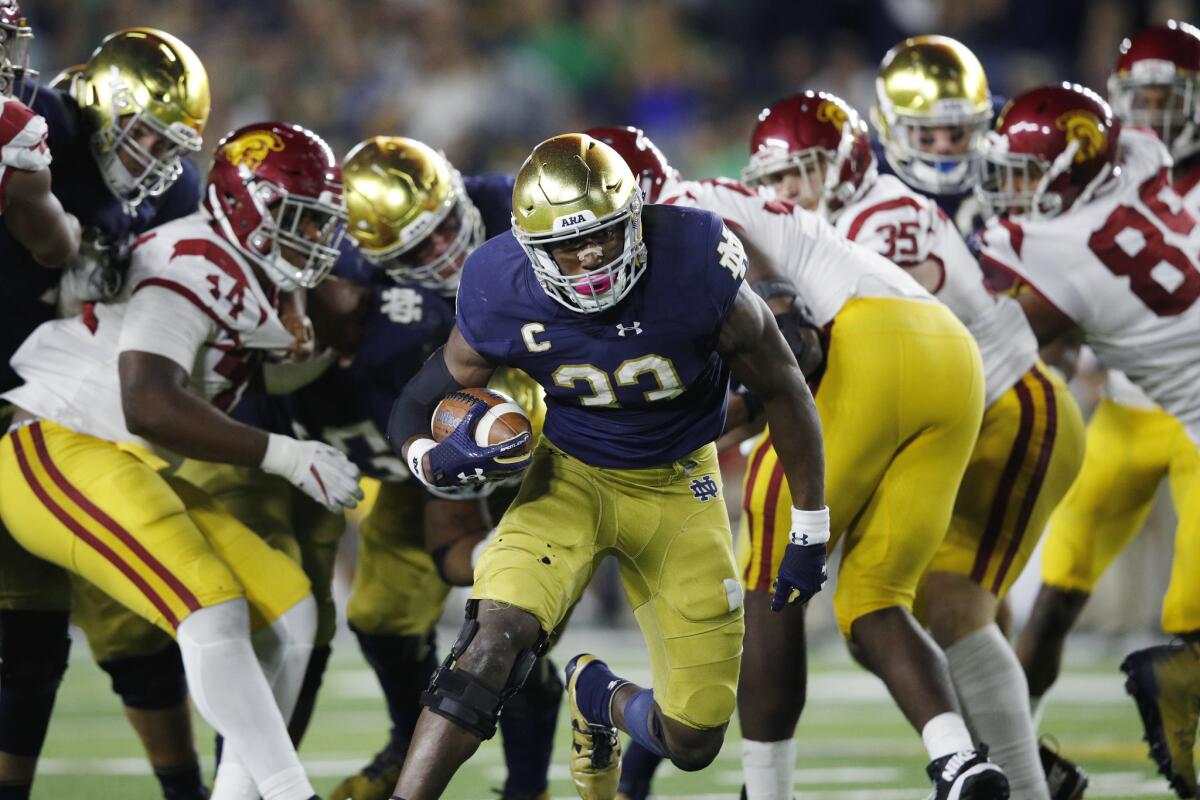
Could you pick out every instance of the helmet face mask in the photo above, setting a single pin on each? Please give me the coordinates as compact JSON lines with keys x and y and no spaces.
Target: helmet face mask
{"x":15,"y":38}
{"x":1154,"y":85}
{"x":809,"y":170}
{"x":300,"y":244}
{"x":576,"y":202}
{"x":1015,"y":183}
{"x":132,"y":171}
{"x":909,"y":149}
{"x":435,"y":262}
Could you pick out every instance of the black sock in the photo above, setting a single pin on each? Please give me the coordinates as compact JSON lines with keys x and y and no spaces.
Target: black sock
{"x":182,"y":783}
{"x":527,"y":730}
{"x":403,"y":665}
{"x":637,"y":771}
{"x":15,"y":791}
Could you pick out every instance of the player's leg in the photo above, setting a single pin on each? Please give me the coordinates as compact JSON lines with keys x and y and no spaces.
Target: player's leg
{"x":282,"y":611}
{"x":146,"y":671}
{"x":1165,"y":680}
{"x":1126,"y":457}
{"x":34,"y":602}
{"x":395,"y":602}
{"x":87,"y":505}
{"x":528,"y":578}
{"x":1029,"y":450}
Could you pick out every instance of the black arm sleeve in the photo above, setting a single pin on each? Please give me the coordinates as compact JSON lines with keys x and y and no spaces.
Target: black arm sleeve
{"x":413,"y":409}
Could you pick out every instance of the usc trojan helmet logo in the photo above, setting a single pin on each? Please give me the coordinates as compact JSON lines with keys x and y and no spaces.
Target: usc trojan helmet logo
{"x":1083,"y":127}
{"x":249,"y":150}
{"x":832,"y":113}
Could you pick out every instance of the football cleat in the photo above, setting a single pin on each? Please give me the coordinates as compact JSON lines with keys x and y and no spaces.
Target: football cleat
{"x":376,"y":780}
{"x":967,"y":775}
{"x":1165,"y":682}
{"x":1066,"y":779}
{"x":595,"y":748}
{"x":545,"y":795}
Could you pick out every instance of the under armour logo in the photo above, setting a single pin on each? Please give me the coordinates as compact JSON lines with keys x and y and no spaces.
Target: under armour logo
{"x":704,"y":489}
{"x":800,"y":538}
{"x":478,"y":476}
{"x":636,"y":327}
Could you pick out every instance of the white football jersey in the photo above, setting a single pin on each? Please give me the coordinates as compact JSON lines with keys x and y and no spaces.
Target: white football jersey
{"x":826,"y":269}
{"x":184,"y":277}
{"x":910,"y":230}
{"x":1126,"y":268}
{"x":1185,"y":178}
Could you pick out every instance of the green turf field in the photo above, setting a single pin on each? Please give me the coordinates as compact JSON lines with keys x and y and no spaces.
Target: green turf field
{"x":853,"y":743}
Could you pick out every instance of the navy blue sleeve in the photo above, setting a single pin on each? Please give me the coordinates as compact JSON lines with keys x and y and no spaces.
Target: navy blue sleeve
{"x":492,"y":195}
{"x":61,"y":120}
{"x":353,"y":266}
{"x":480,"y":295}
{"x":182,"y":198}
{"x":726,"y":265}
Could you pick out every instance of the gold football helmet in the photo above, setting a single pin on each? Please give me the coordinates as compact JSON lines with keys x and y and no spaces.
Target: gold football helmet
{"x":927,"y":83}
{"x":143,"y":80}
{"x":573,"y":187}
{"x":409,"y":212}
{"x":67,"y":78}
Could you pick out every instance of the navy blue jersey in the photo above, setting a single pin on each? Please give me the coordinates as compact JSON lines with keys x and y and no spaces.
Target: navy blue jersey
{"x":492,"y":195}
{"x":29,"y":291}
{"x":636,"y":385}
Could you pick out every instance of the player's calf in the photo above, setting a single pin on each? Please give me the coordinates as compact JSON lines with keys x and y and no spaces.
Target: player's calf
{"x":33,"y":658}
{"x":1040,"y":647}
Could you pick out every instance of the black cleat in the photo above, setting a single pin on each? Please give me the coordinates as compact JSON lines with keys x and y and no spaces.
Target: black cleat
{"x":1165,"y":682}
{"x":1066,"y":779}
{"x":967,"y":775}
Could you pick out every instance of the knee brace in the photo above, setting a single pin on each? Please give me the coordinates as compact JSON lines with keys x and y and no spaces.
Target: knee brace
{"x":33,"y":658}
{"x":465,"y":700}
{"x":542,"y":690}
{"x":151,"y":683}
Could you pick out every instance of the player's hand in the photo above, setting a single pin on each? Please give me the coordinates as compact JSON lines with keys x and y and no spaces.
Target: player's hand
{"x":320,"y":471}
{"x":94,"y":275}
{"x":802,"y":570}
{"x":458,"y":461}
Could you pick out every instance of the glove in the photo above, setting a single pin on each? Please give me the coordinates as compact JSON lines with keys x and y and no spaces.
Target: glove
{"x":320,"y":471}
{"x":805,"y":340}
{"x":94,"y":275}
{"x":458,"y":460}
{"x":802,"y":570}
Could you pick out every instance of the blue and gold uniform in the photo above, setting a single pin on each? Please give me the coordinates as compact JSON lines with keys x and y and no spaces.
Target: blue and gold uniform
{"x":635,"y":396}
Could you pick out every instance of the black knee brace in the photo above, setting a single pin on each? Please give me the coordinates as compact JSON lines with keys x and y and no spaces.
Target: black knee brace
{"x":150,"y":683}
{"x":33,"y":658}
{"x":542,"y":691}
{"x":461,"y":697}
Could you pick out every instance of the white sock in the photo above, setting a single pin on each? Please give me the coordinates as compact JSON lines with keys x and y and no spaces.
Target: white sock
{"x":768,"y":768}
{"x":995,"y":698}
{"x":945,"y":734}
{"x":230,"y":691}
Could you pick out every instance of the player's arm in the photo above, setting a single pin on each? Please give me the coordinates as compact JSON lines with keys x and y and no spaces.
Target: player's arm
{"x":37,"y":220}
{"x":455,"y":531}
{"x":453,"y":366}
{"x":162,"y":332}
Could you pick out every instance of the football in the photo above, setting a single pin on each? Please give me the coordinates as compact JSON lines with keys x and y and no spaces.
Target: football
{"x":504,"y":418}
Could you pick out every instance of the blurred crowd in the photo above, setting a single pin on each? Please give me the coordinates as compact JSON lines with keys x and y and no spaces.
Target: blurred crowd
{"x":486,"y":79}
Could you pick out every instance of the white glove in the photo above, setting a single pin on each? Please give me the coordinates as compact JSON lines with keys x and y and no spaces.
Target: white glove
{"x":320,"y":471}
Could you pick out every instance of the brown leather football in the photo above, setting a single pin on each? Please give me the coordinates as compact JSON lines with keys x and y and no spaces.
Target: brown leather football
{"x":504,"y":418}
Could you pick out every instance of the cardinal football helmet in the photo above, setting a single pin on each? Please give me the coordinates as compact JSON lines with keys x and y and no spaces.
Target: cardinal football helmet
{"x":808,"y":132}
{"x":1166,"y":57}
{"x":138,"y":79}
{"x":275,"y":192}
{"x":15,"y":36}
{"x":931,"y":82}
{"x":399,"y":193}
{"x":573,"y":186}
{"x":645,"y":160}
{"x":1052,"y":147}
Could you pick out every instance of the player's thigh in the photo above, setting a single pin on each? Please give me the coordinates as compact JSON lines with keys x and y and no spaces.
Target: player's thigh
{"x":1125,"y":460}
{"x":1029,"y":451}
{"x":549,"y":540}
{"x":112,"y":630}
{"x":28,"y":583}
{"x":682,"y":582}
{"x":272,"y":579}
{"x":1181,"y":606}
{"x":102,"y":513}
{"x":260,"y":501}
{"x":397,"y":589}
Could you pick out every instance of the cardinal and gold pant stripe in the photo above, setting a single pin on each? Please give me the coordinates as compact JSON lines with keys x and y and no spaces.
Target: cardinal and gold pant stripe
{"x":763,"y":481}
{"x":98,"y":530}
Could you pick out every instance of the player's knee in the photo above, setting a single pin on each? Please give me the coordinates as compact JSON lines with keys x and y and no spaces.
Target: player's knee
{"x":149,"y":682}
{"x":34,"y":646}
{"x":696,"y":749}
{"x":1056,"y":610}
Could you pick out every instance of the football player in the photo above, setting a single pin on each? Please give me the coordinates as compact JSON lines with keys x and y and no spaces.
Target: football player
{"x":147,"y":104}
{"x":812,"y":148}
{"x":1086,"y":218}
{"x":113,"y":395}
{"x":932,"y":107}
{"x":1132,"y":443}
{"x":582,"y":295}
{"x":872,"y":472}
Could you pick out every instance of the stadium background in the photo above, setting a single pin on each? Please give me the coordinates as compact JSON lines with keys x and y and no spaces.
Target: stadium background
{"x":485,"y":81}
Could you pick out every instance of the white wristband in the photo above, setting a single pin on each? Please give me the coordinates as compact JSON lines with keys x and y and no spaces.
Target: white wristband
{"x":280,"y":455}
{"x":416,"y":458}
{"x":809,"y":527}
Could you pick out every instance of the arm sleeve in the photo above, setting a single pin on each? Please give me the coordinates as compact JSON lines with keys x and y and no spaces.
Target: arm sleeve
{"x":728,"y":265}
{"x":165,"y":323}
